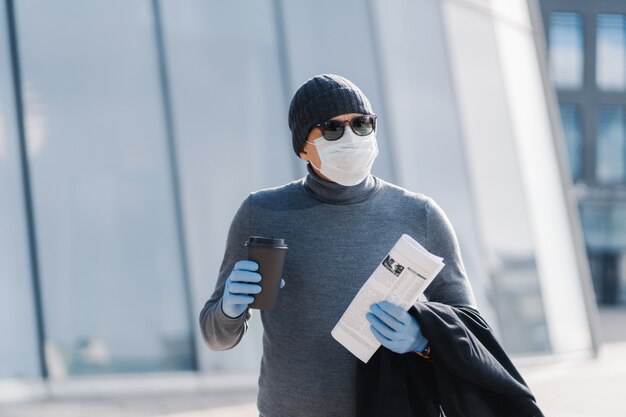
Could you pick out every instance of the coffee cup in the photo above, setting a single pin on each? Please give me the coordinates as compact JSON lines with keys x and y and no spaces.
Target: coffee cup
{"x":269,"y":253}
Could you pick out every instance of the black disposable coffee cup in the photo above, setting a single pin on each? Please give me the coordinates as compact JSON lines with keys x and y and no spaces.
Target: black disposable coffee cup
{"x":269,"y":253}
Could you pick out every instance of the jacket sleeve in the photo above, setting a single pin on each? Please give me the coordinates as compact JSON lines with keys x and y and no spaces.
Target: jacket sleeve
{"x":219,"y":331}
{"x":473,"y":372}
{"x":451,"y":285}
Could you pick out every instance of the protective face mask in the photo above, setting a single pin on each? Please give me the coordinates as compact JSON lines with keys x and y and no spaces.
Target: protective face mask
{"x":347,"y":160}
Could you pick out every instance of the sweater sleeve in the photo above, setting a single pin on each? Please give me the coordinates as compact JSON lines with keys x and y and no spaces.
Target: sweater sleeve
{"x":451,"y":285}
{"x":219,"y":331}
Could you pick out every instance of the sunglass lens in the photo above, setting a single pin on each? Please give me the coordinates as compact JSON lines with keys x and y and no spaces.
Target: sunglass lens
{"x":363,"y":125}
{"x":333,"y":129}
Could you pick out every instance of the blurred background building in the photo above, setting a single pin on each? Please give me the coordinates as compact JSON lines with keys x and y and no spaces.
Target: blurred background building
{"x":130,"y":132}
{"x":587,"y":55}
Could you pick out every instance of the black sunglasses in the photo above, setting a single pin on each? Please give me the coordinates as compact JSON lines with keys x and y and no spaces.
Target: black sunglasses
{"x":360,"y":125}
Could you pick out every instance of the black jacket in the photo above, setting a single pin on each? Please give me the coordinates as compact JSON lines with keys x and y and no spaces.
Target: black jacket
{"x":469,"y":375}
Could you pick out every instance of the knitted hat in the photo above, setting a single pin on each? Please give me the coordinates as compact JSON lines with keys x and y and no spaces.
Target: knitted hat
{"x":319,"y":99}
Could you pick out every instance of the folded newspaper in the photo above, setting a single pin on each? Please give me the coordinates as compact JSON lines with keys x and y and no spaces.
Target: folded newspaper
{"x":400,"y":278}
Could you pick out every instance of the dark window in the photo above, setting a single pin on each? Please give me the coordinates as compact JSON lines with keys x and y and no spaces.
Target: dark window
{"x":570,"y":117}
{"x":610,"y":146}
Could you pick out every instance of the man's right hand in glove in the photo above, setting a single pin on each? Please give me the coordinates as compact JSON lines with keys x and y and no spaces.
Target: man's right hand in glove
{"x":240,"y":286}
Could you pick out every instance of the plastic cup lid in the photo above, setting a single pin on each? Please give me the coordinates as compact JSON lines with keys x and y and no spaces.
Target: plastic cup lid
{"x":259,"y":240}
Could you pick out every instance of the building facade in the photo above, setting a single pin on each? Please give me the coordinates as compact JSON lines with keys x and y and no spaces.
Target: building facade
{"x":131,"y":131}
{"x":587,"y":54}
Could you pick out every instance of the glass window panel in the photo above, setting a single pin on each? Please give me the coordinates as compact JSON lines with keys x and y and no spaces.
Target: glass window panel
{"x":110,"y":267}
{"x":225,"y":130}
{"x":604,"y":271}
{"x":497,"y":178}
{"x":595,"y":222}
{"x":18,"y":349}
{"x":610,"y":146}
{"x":565,"y":35}
{"x":570,"y":117}
{"x":604,"y":226}
{"x":617,"y":227}
{"x":621,"y":286}
{"x":611,"y":52}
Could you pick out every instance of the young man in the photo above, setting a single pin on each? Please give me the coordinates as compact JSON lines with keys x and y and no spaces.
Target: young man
{"x":338,"y":215}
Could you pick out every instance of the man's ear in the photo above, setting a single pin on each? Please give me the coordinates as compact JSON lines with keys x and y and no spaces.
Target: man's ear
{"x":304,"y":153}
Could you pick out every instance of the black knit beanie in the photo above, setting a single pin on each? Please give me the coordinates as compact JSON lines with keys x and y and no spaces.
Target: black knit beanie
{"x":319,"y":99}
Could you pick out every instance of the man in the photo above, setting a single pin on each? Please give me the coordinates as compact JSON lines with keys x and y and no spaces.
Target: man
{"x":338,"y":214}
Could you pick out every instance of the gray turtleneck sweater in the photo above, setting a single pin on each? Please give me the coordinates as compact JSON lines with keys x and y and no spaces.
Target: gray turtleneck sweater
{"x":337,"y":236}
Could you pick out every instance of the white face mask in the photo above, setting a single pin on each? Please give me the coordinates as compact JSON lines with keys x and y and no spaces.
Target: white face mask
{"x":347,"y":160}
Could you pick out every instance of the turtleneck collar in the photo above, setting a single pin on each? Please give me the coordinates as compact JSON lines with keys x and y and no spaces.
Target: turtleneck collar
{"x":333,"y":193}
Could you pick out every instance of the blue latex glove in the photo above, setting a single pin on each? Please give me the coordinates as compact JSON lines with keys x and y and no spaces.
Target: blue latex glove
{"x":395,"y":329}
{"x":239,"y":287}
